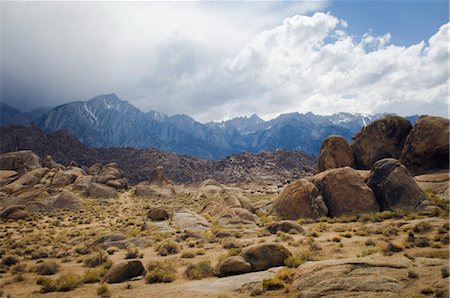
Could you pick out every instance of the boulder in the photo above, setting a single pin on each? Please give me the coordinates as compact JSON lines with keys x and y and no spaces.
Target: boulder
{"x":355,"y":277}
{"x":335,"y":152}
{"x":27,"y":180}
{"x":300,"y":199}
{"x":98,"y":190}
{"x":14,"y":212}
{"x":66,"y":200}
{"x":380,"y":139}
{"x":393,"y":186}
{"x":7,"y":176}
{"x":158,"y":213}
{"x":67,"y":177}
{"x":48,"y":162}
{"x":345,"y":192}
{"x":19,"y":161}
{"x":82,"y":183}
{"x":157,"y":186}
{"x":105,"y":240}
{"x":232,"y":266}
{"x":112,"y":175}
{"x":427,"y":146}
{"x":285,"y":226}
{"x":95,"y":169}
{"x":264,"y":256}
{"x":188,"y":220}
{"x":124,"y":271}
{"x":231,"y":211}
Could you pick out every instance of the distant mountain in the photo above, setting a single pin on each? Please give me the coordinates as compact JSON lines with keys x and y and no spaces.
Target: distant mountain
{"x":10,"y":115}
{"x":107,"y":121}
{"x":138,"y":164}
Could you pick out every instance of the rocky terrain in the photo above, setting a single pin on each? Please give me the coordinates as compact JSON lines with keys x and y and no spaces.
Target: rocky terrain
{"x":371,"y":222}
{"x":138,"y":164}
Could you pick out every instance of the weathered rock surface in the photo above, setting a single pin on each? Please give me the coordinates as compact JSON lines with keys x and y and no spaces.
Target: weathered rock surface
{"x":66,"y":200}
{"x":380,"y":139}
{"x":188,"y":220}
{"x":98,"y":190}
{"x":158,"y":186}
{"x":19,"y":161}
{"x":27,"y":180}
{"x":158,"y":213}
{"x":231,"y":211}
{"x":393,"y":186}
{"x":427,"y":146}
{"x":264,"y":256}
{"x":285,"y":226}
{"x":124,"y":271}
{"x":335,"y":152}
{"x":345,"y":192}
{"x":14,"y":212}
{"x":367,"y":277}
{"x":231,"y":266}
{"x":300,"y":199}
{"x":113,"y":176}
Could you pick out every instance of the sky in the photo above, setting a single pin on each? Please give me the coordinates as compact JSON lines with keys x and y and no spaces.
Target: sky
{"x":218,"y":60}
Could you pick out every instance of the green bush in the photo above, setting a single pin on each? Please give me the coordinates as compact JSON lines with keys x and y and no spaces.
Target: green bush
{"x":103,"y":291}
{"x":47,"y":268}
{"x":98,"y":258}
{"x":297,"y":259}
{"x":92,"y":275}
{"x":167,"y":247}
{"x":160,"y":271}
{"x":198,"y":271}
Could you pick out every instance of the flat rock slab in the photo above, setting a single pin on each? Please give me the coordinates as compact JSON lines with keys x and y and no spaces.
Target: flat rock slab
{"x":435,"y":177}
{"x":230,"y":283}
{"x":189,"y":220}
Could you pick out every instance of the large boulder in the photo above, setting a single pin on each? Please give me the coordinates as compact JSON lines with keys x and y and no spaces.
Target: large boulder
{"x":98,"y":190}
{"x":345,"y":192}
{"x":231,"y":211}
{"x":427,"y":146}
{"x":112,"y":175}
{"x":157,"y":186}
{"x":188,"y":220}
{"x":158,"y":213}
{"x":124,"y":271}
{"x":335,"y":152}
{"x":67,"y":177}
{"x":394,"y":187}
{"x":264,"y":256}
{"x":66,"y":200}
{"x":27,"y":180}
{"x":19,"y":161}
{"x":380,"y":139}
{"x":14,"y":212}
{"x":48,"y":162}
{"x":356,"y":277}
{"x":300,"y":199}
{"x":232,"y":266}
{"x":82,"y":183}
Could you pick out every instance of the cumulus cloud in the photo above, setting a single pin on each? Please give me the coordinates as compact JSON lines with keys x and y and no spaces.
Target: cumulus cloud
{"x":216,"y":60}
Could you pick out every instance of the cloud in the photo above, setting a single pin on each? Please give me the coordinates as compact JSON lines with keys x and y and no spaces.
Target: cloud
{"x":216,"y":60}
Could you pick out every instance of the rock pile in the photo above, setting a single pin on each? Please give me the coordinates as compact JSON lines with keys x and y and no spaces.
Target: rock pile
{"x":157,"y":186}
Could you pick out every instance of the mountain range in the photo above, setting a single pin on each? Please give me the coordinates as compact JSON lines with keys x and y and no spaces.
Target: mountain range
{"x":107,"y":121}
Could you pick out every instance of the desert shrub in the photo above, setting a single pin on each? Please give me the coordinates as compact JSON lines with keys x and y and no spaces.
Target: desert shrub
{"x":412,"y":274}
{"x":132,"y":253}
{"x":103,"y":291}
{"x":167,"y":247}
{"x":96,"y":259}
{"x":82,"y":250}
{"x":9,"y":260}
{"x":388,"y":248}
{"x":347,"y":234}
{"x":65,"y":282}
{"x":297,"y":259}
{"x":18,"y":268}
{"x":422,"y":227}
{"x":39,"y":253}
{"x":160,"y":271}
{"x":111,"y":250}
{"x":369,"y":242}
{"x":369,"y":250}
{"x":336,"y":238}
{"x":92,"y":275}
{"x":188,"y":255}
{"x":273,"y":284}
{"x":390,"y":231}
{"x":445,"y":272}
{"x":200,"y":270}
{"x":47,"y":268}
{"x":434,"y":254}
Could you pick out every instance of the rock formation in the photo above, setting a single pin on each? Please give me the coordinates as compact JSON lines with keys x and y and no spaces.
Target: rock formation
{"x":335,"y":152}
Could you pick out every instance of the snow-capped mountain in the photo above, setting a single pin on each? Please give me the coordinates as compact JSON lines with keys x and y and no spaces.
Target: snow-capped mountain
{"x":107,"y":121}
